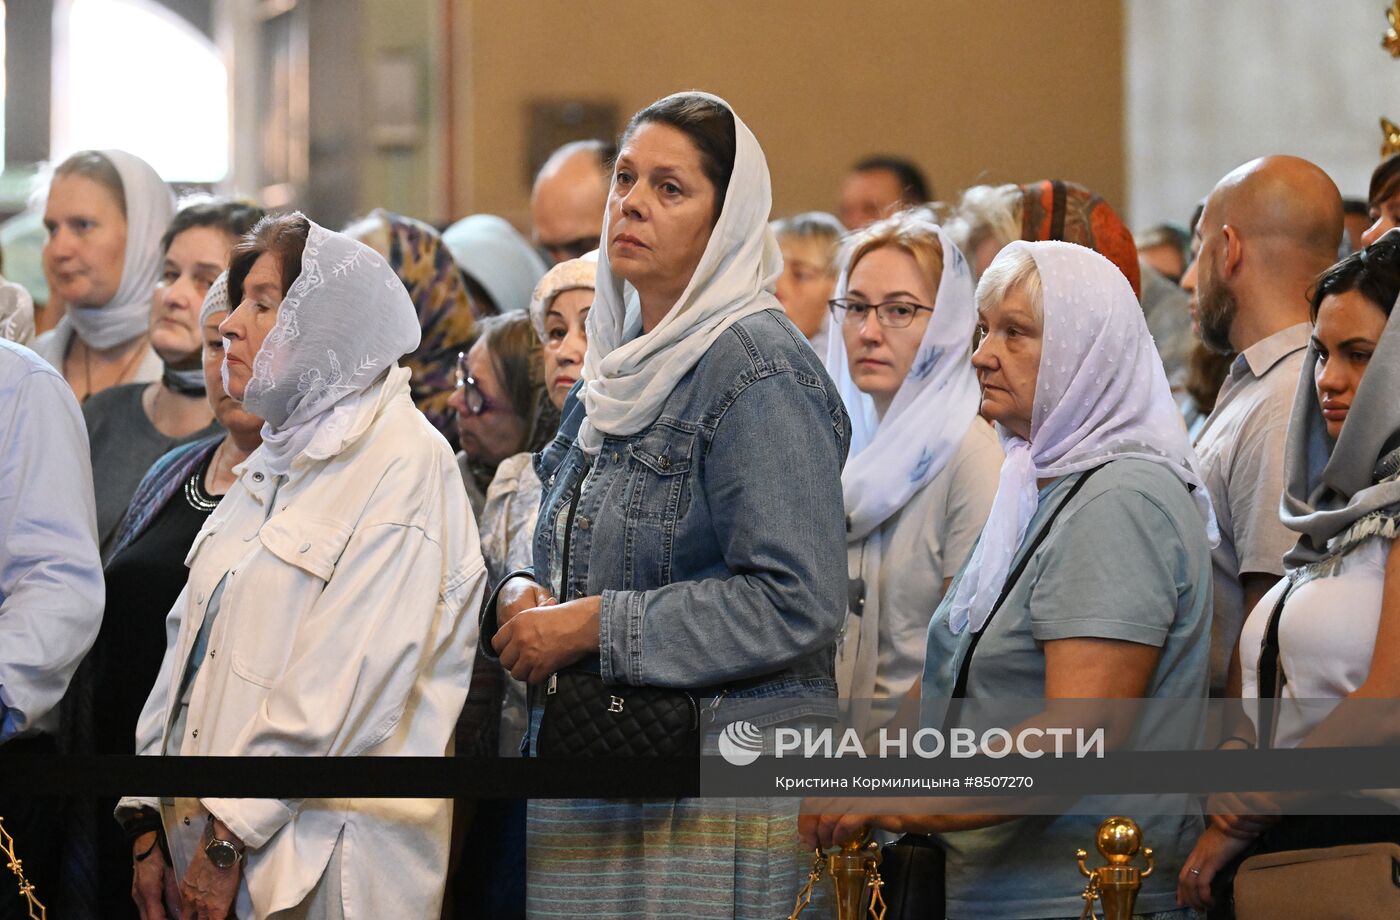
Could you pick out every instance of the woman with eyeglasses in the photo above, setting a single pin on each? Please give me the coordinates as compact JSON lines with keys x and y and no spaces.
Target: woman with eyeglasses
{"x":924,"y":464}
{"x":502,"y":405}
{"x":1089,"y":581}
{"x":504,"y":415}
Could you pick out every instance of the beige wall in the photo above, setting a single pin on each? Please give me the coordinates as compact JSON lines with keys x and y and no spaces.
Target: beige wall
{"x":993,"y":90}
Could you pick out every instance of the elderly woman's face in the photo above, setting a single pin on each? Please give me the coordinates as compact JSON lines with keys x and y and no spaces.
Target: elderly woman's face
{"x":806,"y":283}
{"x":250,"y":322}
{"x":1008,"y":361}
{"x":86,"y":248}
{"x":195,"y":258}
{"x":565,"y":341}
{"x":880,"y":356}
{"x":229,"y":411}
{"x":1345,"y":335}
{"x":661,"y":210}
{"x":493,"y":432}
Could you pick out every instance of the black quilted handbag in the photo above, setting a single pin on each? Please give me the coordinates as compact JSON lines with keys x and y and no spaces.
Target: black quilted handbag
{"x":584,"y":717}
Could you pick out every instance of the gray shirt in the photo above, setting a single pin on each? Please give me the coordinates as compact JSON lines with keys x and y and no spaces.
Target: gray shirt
{"x":903,"y":563}
{"x":1127,"y":559}
{"x":1242,"y":452}
{"x":124,"y":445}
{"x":51,"y":588}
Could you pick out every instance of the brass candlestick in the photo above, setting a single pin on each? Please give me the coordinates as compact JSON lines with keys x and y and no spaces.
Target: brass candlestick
{"x":1116,"y":884}
{"x":855,"y":873}
{"x":15,"y":865}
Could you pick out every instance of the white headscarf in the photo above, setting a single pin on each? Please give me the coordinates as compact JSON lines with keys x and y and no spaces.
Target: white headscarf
{"x":1101,"y":395}
{"x":16,"y":313}
{"x":497,"y":257}
{"x":345,"y":322}
{"x":894,"y":457}
{"x":215,"y":299}
{"x":628,"y":376}
{"x":572,"y":275}
{"x":149,"y":207}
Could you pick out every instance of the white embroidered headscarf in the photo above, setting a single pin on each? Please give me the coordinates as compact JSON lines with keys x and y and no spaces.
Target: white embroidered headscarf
{"x":1101,"y":394}
{"x":150,"y":205}
{"x":929,"y":416}
{"x":628,"y":376}
{"x":346,"y":321}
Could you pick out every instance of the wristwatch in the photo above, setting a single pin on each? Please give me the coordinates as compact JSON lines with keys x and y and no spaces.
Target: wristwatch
{"x":224,"y":854}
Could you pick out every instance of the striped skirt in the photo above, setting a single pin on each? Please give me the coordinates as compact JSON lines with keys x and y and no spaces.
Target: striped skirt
{"x":682,"y":859}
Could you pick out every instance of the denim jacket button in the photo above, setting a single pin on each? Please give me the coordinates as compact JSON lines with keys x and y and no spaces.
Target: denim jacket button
{"x":583,"y":523}
{"x":664,"y":462}
{"x":616,"y":457}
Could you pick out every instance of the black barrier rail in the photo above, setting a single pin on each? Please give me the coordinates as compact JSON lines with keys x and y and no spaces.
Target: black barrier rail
{"x":1138,"y":772}
{"x":348,"y":777}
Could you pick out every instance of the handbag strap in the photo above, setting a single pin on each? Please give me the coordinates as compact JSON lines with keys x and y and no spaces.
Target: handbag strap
{"x":1270,"y":677}
{"x":965,"y":669}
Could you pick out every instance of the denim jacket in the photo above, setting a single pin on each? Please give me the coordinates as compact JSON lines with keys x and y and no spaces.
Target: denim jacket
{"x":716,"y":537}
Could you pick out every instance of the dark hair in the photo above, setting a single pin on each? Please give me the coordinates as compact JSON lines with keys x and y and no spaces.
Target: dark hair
{"x":710,"y":127}
{"x":1385,"y":181}
{"x":1196,"y":213}
{"x":283,"y":235}
{"x":90,"y":164}
{"x":1355,"y":206}
{"x":914,"y":188}
{"x":1374,"y":272}
{"x":233,"y":217}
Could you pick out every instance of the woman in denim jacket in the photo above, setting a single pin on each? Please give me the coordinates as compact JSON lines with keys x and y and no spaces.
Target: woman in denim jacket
{"x":691,"y":533}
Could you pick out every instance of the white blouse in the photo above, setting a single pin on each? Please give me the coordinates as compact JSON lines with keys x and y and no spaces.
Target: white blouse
{"x":346,"y":627}
{"x":1327,"y":635}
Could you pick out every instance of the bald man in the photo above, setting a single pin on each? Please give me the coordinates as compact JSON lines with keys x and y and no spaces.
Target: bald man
{"x":1268,"y":229}
{"x":569,"y":199}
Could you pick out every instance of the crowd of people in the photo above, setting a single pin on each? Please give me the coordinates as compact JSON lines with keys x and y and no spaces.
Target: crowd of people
{"x":275,"y":489}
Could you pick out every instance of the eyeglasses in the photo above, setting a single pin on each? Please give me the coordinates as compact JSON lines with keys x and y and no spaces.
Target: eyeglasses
{"x":472,"y":397}
{"x":892,"y":315}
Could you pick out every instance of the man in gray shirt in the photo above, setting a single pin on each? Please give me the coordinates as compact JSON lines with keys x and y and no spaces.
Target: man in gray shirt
{"x":51,"y":592}
{"x":1269,"y":228}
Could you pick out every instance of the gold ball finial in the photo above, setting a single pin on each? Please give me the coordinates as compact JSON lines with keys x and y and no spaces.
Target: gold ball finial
{"x":1390,"y":131}
{"x":1119,"y":840}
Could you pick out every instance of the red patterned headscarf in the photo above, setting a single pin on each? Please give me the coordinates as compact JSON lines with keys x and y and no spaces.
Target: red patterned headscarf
{"x":1054,"y":209}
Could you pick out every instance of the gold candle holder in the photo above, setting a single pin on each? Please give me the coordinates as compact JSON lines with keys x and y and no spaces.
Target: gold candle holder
{"x":1116,"y":885}
{"x":37,"y":910}
{"x":855,"y":873}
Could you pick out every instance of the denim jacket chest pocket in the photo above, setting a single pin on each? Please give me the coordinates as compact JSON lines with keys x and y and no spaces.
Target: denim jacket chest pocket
{"x":656,"y":497}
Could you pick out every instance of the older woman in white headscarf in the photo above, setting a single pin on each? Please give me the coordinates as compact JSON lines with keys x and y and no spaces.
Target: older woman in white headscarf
{"x":1091,"y":579}
{"x":327,"y":606}
{"x":105,"y":213}
{"x":920,"y":483}
{"x":691,"y":529}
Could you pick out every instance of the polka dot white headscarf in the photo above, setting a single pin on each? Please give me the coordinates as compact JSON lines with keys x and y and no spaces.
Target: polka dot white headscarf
{"x":1101,"y":395}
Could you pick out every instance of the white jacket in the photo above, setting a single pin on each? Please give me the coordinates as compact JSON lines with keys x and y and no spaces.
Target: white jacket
{"x":347,"y":627}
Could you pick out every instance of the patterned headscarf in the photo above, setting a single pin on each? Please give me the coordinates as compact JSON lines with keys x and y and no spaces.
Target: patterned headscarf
{"x":418,"y":256}
{"x":1053,"y":209}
